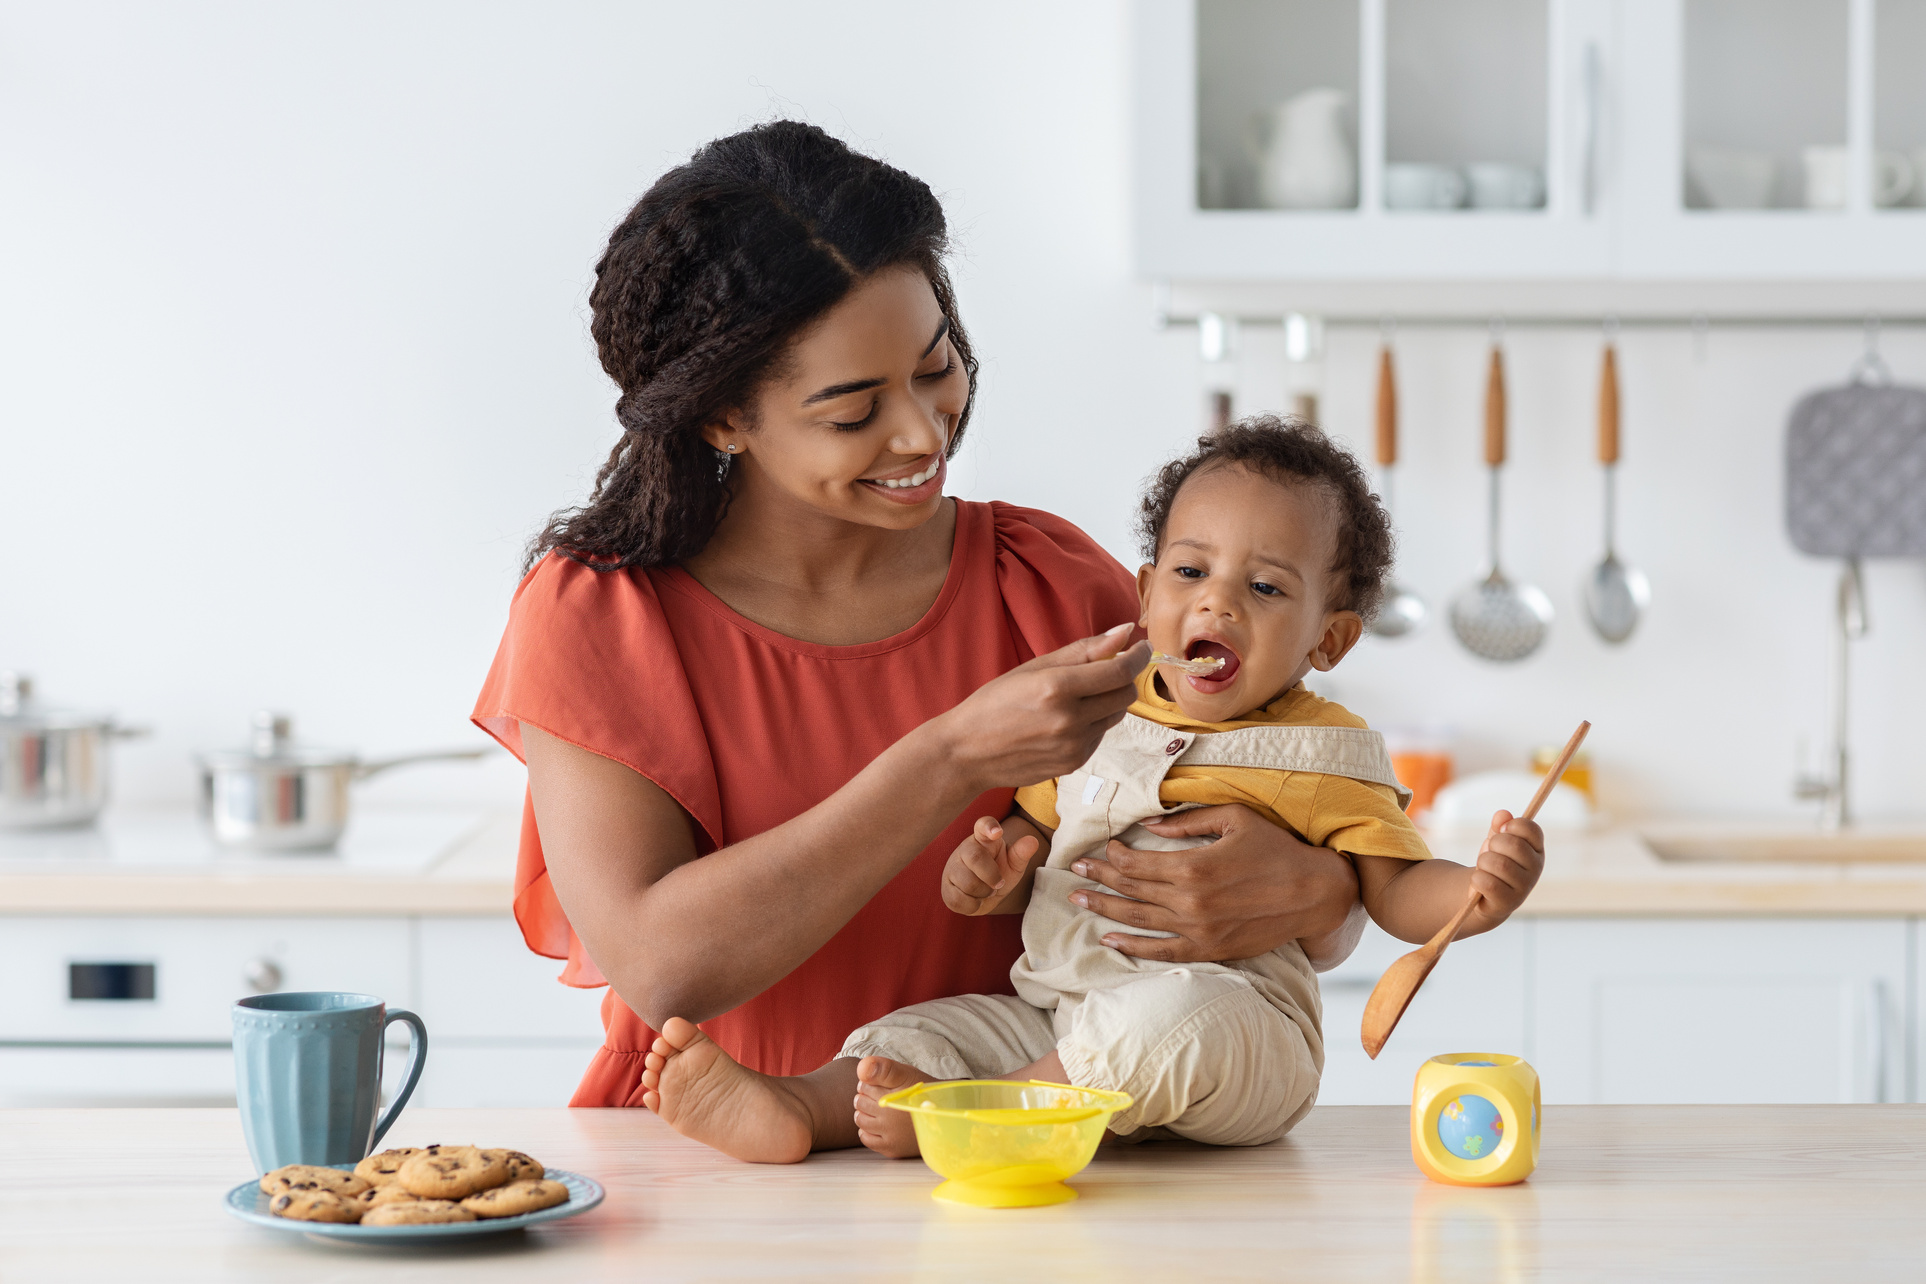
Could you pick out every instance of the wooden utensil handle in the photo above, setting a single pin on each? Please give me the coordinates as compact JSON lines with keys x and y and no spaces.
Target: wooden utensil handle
{"x":1387,"y":410}
{"x":1608,"y":408}
{"x":1495,"y":410}
{"x":1449,"y":932}
{"x":1557,"y":770}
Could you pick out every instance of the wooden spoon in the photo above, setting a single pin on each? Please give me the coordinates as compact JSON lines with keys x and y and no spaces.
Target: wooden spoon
{"x":1401,"y":980}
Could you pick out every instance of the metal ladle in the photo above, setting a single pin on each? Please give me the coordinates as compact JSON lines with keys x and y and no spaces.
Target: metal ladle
{"x":1402,"y":610}
{"x":1493,"y":617}
{"x":1615,"y":594}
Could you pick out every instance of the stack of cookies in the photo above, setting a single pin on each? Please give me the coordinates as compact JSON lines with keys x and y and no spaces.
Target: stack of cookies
{"x":415,"y":1186}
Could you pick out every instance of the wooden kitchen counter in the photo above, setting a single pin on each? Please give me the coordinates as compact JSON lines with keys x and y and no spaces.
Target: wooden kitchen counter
{"x":1623,"y":1192}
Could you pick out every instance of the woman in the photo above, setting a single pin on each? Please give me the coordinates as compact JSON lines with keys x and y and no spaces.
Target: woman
{"x":767,"y":677}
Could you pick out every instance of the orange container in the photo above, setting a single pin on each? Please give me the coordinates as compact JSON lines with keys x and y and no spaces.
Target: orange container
{"x":1424,"y":772}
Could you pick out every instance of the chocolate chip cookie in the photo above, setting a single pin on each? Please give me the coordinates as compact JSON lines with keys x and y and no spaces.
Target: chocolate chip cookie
{"x":452,"y":1172}
{"x":417,"y":1212}
{"x":517,"y":1197}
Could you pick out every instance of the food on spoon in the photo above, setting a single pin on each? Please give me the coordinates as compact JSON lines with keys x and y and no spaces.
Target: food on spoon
{"x":1196,"y":668}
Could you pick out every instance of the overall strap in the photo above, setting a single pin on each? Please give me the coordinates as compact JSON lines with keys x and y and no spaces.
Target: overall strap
{"x":1355,"y":752}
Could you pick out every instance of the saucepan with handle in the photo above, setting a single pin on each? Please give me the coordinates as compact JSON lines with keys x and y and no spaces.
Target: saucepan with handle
{"x":279,"y":796}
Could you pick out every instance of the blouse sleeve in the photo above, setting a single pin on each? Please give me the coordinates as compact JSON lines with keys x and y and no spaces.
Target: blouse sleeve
{"x":1058,"y":584}
{"x":588,"y":657}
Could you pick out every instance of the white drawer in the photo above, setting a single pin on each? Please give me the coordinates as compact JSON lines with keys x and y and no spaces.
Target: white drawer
{"x":474,"y":1074}
{"x":67,"y":1075}
{"x":200,"y":966}
{"x":479,"y":981}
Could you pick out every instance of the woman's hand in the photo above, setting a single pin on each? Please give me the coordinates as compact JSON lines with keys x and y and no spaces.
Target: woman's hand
{"x":1248,"y":893}
{"x":1043,"y":719}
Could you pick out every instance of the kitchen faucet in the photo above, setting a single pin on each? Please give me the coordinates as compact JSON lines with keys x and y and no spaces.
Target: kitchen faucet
{"x":1835,"y":814}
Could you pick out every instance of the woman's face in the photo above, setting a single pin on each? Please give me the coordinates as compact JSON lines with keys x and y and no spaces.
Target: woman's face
{"x":855,"y":419}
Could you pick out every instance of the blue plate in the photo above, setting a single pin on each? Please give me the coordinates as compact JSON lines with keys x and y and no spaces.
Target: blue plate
{"x":249,"y":1203}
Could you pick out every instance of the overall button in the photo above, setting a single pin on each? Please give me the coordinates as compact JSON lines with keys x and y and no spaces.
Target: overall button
{"x":1174,"y":748}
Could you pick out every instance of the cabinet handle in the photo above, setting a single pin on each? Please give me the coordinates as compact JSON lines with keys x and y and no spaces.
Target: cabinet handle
{"x":1588,"y":180}
{"x":262,"y":976}
{"x":1881,"y":1042}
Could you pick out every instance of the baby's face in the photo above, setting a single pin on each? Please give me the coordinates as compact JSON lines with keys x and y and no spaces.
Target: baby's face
{"x":1244,"y":575}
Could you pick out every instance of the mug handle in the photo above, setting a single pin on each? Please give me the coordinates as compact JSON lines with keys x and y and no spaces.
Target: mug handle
{"x":417,"y":1053}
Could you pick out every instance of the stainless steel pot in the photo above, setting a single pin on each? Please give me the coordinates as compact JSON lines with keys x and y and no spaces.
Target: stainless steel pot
{"x":276,"y":795}
{"x":53,"y":762}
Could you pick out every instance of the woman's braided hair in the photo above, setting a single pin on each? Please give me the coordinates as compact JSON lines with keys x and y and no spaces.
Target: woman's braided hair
{"x":1290,"y":450}
{"x":703,"y":286}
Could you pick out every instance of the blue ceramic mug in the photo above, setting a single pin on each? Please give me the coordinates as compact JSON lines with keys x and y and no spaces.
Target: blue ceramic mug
{"x":307,"y":1075}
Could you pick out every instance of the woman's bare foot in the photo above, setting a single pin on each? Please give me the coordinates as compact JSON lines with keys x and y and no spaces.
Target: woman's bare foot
{"x":707,"y":1096}
{"x":887,"y":1132}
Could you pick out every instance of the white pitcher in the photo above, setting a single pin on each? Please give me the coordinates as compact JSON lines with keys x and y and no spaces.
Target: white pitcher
{"x":1304,"y":161}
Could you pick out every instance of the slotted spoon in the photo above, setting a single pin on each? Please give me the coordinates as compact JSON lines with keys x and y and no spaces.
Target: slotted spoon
{"x":1493,"y":617}
{"x":1400,"y":982}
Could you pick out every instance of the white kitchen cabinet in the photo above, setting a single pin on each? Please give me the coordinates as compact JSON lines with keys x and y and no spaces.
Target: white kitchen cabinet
{"x":1474,"y":1002}
{"x":1720,"y":1010}
{"x":192,"y":968}
{"x":1648,"y":120}
{"x":502,"y":1030}
{"x":480,"y":981}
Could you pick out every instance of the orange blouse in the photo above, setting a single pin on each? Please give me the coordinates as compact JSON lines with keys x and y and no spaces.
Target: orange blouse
{"x":747,"y":728}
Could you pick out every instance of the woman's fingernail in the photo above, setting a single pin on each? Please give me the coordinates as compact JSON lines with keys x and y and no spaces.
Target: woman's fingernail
{"x":1081,"y":868}
{"x":1080,"y":900}
{"x":1121,"y":628}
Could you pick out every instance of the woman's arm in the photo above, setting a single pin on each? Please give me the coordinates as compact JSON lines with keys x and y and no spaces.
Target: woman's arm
{"x":1255,"y":888}
{"x":677,"y":936}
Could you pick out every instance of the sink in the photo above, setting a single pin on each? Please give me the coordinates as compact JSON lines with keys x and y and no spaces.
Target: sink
{"x":1710,"y":842}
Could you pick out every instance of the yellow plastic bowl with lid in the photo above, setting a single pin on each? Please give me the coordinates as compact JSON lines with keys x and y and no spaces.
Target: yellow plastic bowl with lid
{"x":1003,"y":1144}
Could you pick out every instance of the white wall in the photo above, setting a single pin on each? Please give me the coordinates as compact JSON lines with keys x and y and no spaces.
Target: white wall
{"x":293,"y":359}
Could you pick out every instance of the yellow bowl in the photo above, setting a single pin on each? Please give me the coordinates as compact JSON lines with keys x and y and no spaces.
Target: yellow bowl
{"x":1003,"y":1144}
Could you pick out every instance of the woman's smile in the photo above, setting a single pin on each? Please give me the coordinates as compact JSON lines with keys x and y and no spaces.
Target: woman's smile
{"x":912,"y":487}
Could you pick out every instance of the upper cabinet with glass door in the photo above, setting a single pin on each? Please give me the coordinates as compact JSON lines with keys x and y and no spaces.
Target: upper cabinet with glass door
{"x":1463,"y":140}
{"x":1774,"y":139}
{"x":1372,"y":139}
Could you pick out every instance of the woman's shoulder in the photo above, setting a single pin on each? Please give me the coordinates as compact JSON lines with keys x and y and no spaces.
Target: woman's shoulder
{"x":1057,"y":583}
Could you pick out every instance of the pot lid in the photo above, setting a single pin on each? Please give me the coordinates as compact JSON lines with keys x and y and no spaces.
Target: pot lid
{"x":273,"y":745}
{"x":20,"y":709}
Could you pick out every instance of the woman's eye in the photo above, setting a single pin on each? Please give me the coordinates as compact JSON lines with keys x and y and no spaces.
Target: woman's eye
{"x":948,"y":369}
{"x":1266,"y":590}
{"x":840,"y":426}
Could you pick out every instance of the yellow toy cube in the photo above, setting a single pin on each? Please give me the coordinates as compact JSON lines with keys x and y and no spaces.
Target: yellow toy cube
{"x":1474,"y":1119}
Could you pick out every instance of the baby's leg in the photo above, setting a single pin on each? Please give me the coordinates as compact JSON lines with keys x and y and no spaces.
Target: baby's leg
{"x":972,"y":1036}
{"x":707,"y":1095}
{"x":1201,"y":1053}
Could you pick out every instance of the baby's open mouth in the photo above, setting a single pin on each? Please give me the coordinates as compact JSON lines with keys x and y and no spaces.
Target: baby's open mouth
{"x":1204,"y":648}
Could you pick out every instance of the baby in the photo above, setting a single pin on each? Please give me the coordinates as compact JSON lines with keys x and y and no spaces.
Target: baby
{"x":1268,"y":551}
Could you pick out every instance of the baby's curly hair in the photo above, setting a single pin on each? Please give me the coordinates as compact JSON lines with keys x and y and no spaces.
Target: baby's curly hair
{"x":1290,"y":450}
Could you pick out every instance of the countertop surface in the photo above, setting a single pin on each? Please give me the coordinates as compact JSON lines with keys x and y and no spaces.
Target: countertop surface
{"x":463,"y":862}
{"x":1750,"y":1193}
{"x":390,"y":862}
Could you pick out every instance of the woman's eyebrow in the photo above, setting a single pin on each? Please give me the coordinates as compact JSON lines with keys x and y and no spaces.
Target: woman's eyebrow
{"x":942,"y":328}
{"x":835,"y":390}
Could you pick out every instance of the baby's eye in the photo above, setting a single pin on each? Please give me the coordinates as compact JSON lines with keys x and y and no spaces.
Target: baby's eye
{"x":1267,"y":590}
{"x":1191,"y":572}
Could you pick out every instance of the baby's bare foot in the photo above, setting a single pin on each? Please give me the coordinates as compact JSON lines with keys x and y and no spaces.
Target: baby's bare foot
{"x":887,"y":1132}
{"x":706,"y":1095}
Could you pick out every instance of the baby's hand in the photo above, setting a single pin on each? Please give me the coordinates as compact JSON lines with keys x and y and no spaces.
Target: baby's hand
{"x":984,"y":869}
{"x":1508,"y":866}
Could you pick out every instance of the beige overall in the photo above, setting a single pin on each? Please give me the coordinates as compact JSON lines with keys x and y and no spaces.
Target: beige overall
{"x":1227,"y":1053}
